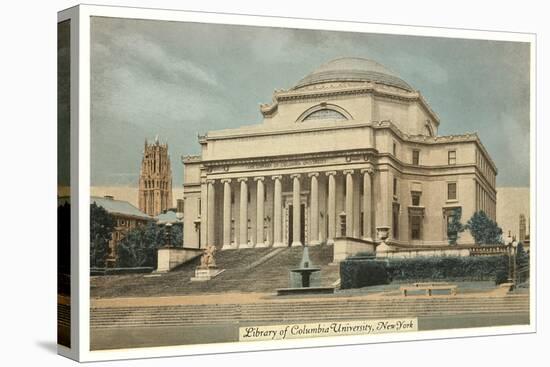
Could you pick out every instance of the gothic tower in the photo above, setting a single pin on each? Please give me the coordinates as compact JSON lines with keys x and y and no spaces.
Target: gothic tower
{"x":155,"y":179}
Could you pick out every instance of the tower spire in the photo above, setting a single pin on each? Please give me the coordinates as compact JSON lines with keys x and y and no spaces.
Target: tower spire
{"x":155,"y":181}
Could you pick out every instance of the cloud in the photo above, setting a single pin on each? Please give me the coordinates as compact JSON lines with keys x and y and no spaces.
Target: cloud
{"x":137,"y":52}
{"x":178,"y":79}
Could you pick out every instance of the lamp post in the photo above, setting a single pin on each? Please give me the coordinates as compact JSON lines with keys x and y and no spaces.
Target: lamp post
{"x":511,"y":245}
{"x":179,"y":216}
{"x":168,"y":235}
{"x":508,"y":243}
{"x":514,"y":253}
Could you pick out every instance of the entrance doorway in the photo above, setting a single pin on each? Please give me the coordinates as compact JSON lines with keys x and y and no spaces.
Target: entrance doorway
{"x":302,"y":224}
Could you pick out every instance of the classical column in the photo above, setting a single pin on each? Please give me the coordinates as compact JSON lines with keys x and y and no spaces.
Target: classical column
{"x":277,"y":212}
{"x":296,"y":222}
{"x":367,"y":203}
{"x":226,"y":214}
{"x":243,"y":215}
{"x":331,"y":206}
{"x":210,"y":213}
{"x":314,"y":213}
{"x":349,"y":202}
{"x":260,"y":212}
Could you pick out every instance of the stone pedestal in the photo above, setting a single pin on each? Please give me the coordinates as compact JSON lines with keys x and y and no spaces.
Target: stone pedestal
{"x":231,"y":246}
{"x":383,"y":248}
{"x":246,"y":245}
{"x":170,"y":257}
{"x":205,"y":274}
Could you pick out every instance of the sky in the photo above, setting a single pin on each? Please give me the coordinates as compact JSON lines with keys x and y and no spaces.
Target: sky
{"x":178,"y":79}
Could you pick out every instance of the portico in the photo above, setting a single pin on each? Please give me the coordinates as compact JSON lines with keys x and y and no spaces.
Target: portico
{"x":286,"y":207}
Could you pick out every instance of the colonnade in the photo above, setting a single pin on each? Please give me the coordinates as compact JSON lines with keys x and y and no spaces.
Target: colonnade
{"x":297,"y":179}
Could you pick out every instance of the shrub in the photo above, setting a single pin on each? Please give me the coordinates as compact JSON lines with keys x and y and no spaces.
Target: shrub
{"x":471,"y":268}
{"x":455,"y":227}
{"x":139,"y":247}
{"x":357,"y":273}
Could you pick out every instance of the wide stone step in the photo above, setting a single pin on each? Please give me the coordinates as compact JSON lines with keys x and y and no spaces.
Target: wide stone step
{"x":298,"y":317}
{"x":190,"y":314}
{"x":288,"y":311}
{"x":295,"y":307}
{"x":277,"y":319}
{"x":320,"y":304}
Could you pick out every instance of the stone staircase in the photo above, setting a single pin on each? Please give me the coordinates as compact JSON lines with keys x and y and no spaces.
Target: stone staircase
{"x":246,"y":270}
{"x":329,"y":309}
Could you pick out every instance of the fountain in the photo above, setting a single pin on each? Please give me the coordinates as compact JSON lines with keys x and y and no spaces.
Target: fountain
{"x":305,"y":279}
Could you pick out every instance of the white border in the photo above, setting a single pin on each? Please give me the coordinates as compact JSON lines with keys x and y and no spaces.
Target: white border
{"x":85,"y":11}
{"x":72,"y":15}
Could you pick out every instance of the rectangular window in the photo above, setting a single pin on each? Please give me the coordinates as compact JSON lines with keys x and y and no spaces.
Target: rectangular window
{"x":415,"y":198}
{"x":449,"y":220}
{"x":416,"y":157}
{"x":452,"y":157}
{"x":416,"y":227}
{"x":395,"y":220}
{"x":394,"y":186}
{"x":394,"y":149}
{"x":451,"y":191}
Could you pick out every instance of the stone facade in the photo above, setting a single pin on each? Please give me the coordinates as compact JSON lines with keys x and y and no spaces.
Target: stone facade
{"x":350,"y":148}
{"x":155,"y":179}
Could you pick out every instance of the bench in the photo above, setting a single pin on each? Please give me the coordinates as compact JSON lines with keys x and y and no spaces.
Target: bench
{"x":428,"y":287}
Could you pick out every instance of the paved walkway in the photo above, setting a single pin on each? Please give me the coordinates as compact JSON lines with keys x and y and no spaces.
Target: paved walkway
{"x":244,"y":298}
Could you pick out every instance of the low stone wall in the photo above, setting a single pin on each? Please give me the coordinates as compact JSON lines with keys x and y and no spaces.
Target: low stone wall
{"x":425,"y":252}
{"x":170,"y":257}
{"x":348,"y":246}
{"x":119,"y":271}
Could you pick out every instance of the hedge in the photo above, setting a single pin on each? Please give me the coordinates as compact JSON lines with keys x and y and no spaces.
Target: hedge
{"x":357,"y":272}
{"x":451,"y":268}
{"x":362,"y":272}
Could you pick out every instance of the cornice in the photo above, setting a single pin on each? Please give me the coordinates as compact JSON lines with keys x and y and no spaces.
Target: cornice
{"x":367,"y":155}
{"x":438,"y":139}
{"x":328,"y":90}
{"x":191,"y":159}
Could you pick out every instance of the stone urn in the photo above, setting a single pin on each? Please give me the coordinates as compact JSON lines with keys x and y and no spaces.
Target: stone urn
{"x":383,"y":248}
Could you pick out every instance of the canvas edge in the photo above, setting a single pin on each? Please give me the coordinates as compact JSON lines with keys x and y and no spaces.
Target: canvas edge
{"x":82,"y":14}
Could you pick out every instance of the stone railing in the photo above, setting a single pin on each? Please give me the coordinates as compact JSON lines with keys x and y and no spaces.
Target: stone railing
{"x":348,"y":246}
{"x":405,"y":253}
{"x":170,"y":257}
{"x":488,"y":250}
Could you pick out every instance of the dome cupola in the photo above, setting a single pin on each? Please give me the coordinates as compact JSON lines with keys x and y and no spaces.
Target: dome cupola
{"x":353,"y":69}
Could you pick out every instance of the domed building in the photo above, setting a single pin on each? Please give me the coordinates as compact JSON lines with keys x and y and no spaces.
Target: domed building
{"x":349,"y":152}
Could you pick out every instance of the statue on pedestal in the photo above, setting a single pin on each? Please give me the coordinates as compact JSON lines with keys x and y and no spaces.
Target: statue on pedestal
{"x":208,"y":268}
{"x":207,"y":259}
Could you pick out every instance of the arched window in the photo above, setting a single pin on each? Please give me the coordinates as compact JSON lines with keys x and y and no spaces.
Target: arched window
{"x":325,"y":114}
{"x":428,"y":129}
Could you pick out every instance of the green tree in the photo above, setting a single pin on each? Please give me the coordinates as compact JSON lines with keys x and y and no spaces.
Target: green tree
{"x":139,"y":246}
{"x":484,"y":230}
{"x":177,"y":235}
{"x":102,"y":225}
{"x":455,"y":226}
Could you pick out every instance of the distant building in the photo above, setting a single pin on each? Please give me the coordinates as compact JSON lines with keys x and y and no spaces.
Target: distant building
{"x":168,"y":216}
{"x":155,"y":179}
{"x":126,"y":216}
{"x":513,"y":212}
